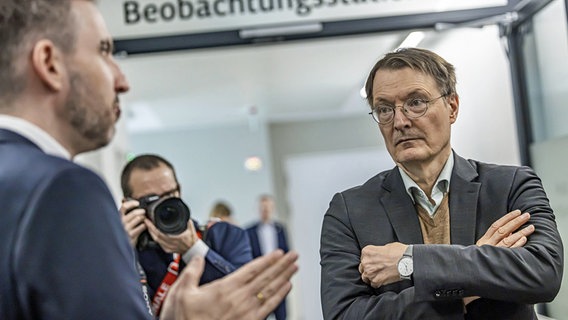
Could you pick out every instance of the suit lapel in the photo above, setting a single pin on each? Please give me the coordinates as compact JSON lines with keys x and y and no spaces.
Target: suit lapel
{"x":10,"y":136}
{"x":464,"y":194}
{"x":400,"y":209}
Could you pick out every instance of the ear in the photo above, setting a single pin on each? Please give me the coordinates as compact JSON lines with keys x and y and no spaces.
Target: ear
{"x":47,"y":62}
{"x":454,"y":104}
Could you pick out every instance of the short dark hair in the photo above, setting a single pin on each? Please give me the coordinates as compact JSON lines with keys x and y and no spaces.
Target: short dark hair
{"x":425,"y":61}
{"x":22,"y":23}
{"x":145,"y":162}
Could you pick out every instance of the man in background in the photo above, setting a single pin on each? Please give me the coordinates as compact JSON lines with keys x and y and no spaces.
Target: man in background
{"x":266,"y":236}
{"x":438,"y":236}
{"x":64,"y":253}
{"x":224,"y":247}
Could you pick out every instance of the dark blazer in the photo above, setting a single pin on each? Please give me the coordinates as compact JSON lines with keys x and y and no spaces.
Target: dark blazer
{"x":280,"y":311}
{"x":380,"y":212}
{"x":229,"y":248}
{"x":255,"y":243}
{"x":64,"y":253}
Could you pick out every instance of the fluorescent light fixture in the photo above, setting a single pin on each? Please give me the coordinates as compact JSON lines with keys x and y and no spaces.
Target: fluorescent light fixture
{"x":280,"y":31}
{"x":412,"y":40}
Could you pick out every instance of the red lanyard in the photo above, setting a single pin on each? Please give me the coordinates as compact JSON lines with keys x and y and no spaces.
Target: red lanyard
{"x":167,"y":282}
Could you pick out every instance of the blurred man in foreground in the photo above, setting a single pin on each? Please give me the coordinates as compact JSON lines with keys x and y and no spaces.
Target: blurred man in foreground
{"x":64,"y":252}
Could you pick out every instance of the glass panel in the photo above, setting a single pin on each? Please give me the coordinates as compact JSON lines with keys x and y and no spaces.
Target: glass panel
{"x":545,"y":51}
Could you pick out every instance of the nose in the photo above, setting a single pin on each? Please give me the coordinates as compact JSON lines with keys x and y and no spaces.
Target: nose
{"x":121,"y":84}
{"x":400,"y":120}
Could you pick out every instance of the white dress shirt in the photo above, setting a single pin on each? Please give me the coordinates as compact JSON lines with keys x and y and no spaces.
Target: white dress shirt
{"x":441,"y":187}
{"x":267,"y":237}
{"x":35,"y":134}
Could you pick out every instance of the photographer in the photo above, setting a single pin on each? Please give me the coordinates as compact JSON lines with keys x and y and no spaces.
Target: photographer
{"x":151,"y":194}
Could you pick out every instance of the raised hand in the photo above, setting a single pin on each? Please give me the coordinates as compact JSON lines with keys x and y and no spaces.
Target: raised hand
{"x":251,"y":292}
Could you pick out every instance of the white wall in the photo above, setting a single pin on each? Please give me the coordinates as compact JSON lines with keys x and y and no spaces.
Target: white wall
{"x":312,"y":181}
{"x":486,"y":128}
{"x":209,"y":163}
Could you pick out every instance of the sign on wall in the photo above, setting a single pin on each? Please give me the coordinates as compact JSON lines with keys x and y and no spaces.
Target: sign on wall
{"x":148,"y":18}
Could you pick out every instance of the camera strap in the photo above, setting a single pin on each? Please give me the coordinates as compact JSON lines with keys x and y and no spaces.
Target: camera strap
{"x":167,"y":282}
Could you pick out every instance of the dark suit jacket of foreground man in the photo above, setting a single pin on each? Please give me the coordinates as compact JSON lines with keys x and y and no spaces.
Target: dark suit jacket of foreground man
{"x":381,"y":211}
{"x":46,"y":241}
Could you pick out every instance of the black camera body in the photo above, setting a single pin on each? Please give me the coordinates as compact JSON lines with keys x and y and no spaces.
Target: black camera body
{"x":169,"y":214}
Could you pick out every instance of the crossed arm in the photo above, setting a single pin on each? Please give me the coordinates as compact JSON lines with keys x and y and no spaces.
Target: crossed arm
{"x":378,"y":265}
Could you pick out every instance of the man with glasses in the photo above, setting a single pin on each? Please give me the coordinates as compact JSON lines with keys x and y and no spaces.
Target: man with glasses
{"x":438,"y":236}
{"x":224,"y":246}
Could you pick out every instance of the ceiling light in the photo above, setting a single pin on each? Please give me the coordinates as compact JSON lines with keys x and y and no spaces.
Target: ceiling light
{"x":253,"y":163}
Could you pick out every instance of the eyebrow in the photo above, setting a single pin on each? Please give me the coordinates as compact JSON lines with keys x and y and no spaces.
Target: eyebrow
{"x":406,"y":97}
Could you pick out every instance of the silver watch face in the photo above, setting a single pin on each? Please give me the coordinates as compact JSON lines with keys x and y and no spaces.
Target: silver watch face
{"x":405,"y":267}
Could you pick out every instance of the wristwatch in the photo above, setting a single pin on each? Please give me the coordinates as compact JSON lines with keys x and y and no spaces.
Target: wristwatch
{"x":405,"y":265}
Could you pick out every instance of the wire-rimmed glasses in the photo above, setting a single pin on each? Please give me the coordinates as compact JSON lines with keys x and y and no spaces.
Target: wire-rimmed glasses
{"x":413,"y":108}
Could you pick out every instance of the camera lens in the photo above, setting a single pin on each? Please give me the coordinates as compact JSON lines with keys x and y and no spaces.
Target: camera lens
{"x":171,"y":215}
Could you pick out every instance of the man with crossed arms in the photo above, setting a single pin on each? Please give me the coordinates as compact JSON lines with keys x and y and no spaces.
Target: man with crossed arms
{"x":431,"y":238}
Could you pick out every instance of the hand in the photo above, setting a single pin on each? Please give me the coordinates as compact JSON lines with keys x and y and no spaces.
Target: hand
{"x":170,"y":243}
{"x":251,"y":292}
{"x":379,"y":263}
{"x":132,"y":220}
{"x":504,"y":232}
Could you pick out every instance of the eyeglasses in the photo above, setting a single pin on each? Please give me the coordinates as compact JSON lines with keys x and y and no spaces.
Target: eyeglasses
{"x":413,"y":108}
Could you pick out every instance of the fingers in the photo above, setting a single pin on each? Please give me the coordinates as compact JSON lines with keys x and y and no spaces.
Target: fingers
{"x":501,"y":229}
{"x":179,"y":295}
{"x":273,"y":301}
{"x":133,"y":219}
{"x":273,"y":284}
{"x":517,"y":239}
{"x":156,"y":234}
{"x":513,"y":225}
{"x":497,"y":225}
{"x":190,"y":233}
{"x":128,"y":205}
{"x":277,"y":275}
{"x":250,"y":270}
{"x":133,"y":222}
{"x":190,"y":275}
{"x":179,"y":243}
{"x":268,"y":271}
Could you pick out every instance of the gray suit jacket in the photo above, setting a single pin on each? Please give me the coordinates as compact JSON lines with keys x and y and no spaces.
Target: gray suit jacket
{"x":380,"y":212}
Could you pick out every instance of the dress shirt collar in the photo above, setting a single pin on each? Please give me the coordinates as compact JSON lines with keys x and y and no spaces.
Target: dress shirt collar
{"x":35,"y":134}
{"x":442,"y":186}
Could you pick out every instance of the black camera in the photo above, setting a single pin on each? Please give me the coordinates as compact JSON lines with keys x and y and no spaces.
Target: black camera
{"x":170,"y":215}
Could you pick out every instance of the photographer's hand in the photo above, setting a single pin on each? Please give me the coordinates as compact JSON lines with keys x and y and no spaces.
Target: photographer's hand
{"x":178,"y":243}
{"x":132,"y":219}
